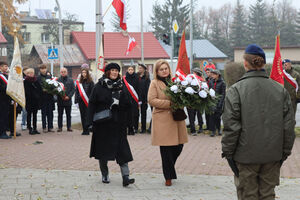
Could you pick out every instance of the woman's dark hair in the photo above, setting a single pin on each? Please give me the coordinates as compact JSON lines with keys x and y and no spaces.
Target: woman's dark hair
{"x":88,"y":76}
{"x":3,"y":63}
{"x":255,"y":61}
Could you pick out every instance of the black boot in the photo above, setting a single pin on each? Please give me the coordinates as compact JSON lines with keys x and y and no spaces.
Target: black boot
{"x":213,"y":133}
{"x":17,"y":134}
{"x":127,"y":180}
{"x":4,"y":136}
{"x":105,"y":179}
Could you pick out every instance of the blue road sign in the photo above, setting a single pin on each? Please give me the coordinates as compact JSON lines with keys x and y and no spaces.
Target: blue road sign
{"x":52,"y":53}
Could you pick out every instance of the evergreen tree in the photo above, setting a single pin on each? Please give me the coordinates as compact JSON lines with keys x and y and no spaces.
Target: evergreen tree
{"x":161,"y":19}
{"x":298,"y":24}
{"x":273,"y":26}
{"x":258,"y":23}
{"x":238,"y":34}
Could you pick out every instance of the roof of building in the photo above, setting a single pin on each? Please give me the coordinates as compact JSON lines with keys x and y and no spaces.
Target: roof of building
{"x":72,"y":55}
{"x":115,"y":45}
{"x":204,"y":49}
{"x":36,"y":20}
{"x":2,"y":38}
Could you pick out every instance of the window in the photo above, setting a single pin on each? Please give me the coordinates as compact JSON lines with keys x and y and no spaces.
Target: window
{"x":3,"y":51}
{"x":45,"y":38}
{"x":26,"y":37}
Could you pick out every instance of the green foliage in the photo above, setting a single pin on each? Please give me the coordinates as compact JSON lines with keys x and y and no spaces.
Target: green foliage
{"x":182,"y":99}
{"x":233,"y":72}
{"x":161,"y":19}
{"x":52,"y":87}
{"x":238,"y":34}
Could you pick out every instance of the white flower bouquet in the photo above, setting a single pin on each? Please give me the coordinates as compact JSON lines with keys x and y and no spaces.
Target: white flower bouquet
{"x":52,"y":86}
{"x":191,"y":92}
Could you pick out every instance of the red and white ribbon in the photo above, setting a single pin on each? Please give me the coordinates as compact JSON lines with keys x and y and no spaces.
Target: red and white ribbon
{"x":82,"y":93}
{"x":3,"y":78}
{"x":291,"y":80}
{"x":131,"y":90}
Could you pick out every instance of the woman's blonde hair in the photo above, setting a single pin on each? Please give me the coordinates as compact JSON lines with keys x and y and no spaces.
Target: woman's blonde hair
{"x":158,"y":64}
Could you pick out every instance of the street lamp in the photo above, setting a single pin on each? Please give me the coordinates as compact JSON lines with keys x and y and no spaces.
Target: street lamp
{"x":60,"y":52}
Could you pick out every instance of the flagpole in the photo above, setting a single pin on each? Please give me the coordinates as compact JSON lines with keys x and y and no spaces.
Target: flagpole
{"x":191,"y":35}
{"x":142,"y":33}
{"x":107,"y":9}
{"x":15,"y":113}
{"x":99,"y":32}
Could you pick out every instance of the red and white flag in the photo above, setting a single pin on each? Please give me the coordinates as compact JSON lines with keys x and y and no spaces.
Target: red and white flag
{"x":291,"y":80}
{"x":119,"y":5}
{"x":277,"y":70}
{"x":131,"y":45}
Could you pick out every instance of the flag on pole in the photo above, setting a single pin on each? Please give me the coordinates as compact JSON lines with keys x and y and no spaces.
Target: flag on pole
{"x":119,"y":5}
{"x":100,"y":61}
{"x":15,"y":86}
{"x":277,"y":71}
{"x":131,"y":45}
{"x":183,"y":60}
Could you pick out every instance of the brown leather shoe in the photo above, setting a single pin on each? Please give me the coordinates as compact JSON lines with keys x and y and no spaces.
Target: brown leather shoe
{"x":168,"y":182}
{"x":59,"y":130}
{"x":69,"y":130}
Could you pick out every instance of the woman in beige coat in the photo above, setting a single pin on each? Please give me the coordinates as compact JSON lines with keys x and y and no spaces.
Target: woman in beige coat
{"x":170,"y":135}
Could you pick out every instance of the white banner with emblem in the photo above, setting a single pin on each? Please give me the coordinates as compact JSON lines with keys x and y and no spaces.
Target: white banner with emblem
{"x":15,"y":85}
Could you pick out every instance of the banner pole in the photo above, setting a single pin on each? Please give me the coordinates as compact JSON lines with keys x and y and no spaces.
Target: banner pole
{"x":15,"y":111}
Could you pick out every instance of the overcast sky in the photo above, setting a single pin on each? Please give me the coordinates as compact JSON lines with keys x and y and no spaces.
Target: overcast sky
{"x":86,"y":10}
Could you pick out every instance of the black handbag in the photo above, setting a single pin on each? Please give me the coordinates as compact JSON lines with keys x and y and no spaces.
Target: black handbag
{"x":179,"y":115}
{"x":102,"y":116}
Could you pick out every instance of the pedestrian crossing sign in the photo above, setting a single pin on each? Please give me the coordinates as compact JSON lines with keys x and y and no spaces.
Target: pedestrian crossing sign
{"x":52,"y":53}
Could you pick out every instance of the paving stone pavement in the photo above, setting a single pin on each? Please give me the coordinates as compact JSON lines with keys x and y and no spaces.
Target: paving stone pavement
{"x":38,"y":184}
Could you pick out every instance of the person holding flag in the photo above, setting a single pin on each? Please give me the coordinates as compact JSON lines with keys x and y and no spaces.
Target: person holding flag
{"x":258,"y":134}
{"x":291,"y":82}
{"x":84,"y":87}
{"x":4,"y":101}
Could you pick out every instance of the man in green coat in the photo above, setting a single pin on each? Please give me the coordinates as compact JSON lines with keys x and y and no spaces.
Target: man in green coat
{"x":287,"y":65}
{"x":259,"y":133}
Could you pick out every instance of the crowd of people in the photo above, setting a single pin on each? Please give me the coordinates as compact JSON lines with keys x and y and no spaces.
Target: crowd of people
{"x":258,"y":116}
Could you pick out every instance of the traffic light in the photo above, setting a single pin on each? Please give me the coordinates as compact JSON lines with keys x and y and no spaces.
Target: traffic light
{"x":166,"y":39}
{"x":177,"y":40}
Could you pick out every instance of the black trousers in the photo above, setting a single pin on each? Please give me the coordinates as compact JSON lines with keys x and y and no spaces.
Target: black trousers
{"x":192,"y":113}
{"x":143,"y":109}
{"x":83,"y":116}
{"x":3,"y":116}
{"x":207,"y":117}
{"x":215,"y":121}
{"x":47,"y":116}
{"x":169,"y":155}
{"x":134,"y":121}
{"x":32,"y":112}
{"x":60,"y":116}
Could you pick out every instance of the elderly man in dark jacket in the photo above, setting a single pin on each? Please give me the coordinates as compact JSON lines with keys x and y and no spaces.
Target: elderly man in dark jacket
{"x":65,"y":103}
{"x":258,"y":129}
{"x":218,"y":84}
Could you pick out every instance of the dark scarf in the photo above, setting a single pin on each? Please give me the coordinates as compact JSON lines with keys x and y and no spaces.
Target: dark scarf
{"x":115,"y":86}
{"x":30,"y":79}
{"x":165,"y":80}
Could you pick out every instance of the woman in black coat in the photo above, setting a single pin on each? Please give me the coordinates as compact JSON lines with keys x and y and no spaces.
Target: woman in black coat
{"x":218,"y":84}
{"x":83,"y":90}
{"x":109,"y":139}
{"x":33,"y":94}
{"x":133,"y":116}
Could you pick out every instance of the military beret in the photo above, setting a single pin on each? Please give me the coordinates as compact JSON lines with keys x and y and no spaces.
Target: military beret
{"x":286,"y":61}
{"x":112,"y":66}
{"x":254,"y":49}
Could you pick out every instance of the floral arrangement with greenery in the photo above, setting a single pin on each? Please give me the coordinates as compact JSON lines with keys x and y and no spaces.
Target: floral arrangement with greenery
{"x":52,"y":86}
{"x":189,"y":91}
